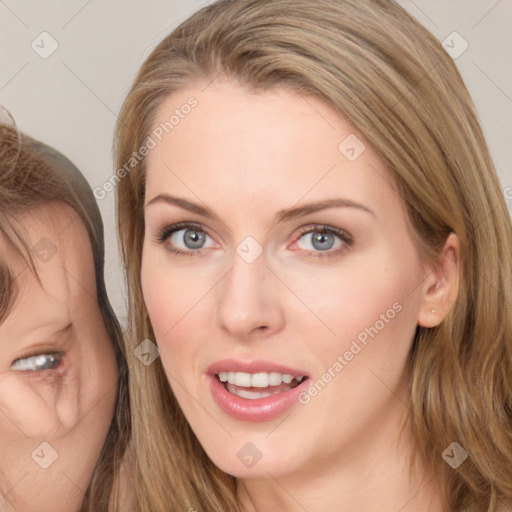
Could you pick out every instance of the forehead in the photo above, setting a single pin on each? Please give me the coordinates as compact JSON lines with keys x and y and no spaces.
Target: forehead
{"x":236,"y":143}
{"x":61,"y":251}
{"x":244,"y":129}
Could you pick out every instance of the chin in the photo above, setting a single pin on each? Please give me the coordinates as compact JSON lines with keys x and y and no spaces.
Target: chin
{"x":249,"y":455}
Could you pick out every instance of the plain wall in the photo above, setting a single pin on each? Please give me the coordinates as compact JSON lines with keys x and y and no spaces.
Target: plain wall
{"x":70,"y":99}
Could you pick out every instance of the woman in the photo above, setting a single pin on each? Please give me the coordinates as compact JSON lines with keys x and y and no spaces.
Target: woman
{"x":316,"y":240}
{"x":63,"y":422}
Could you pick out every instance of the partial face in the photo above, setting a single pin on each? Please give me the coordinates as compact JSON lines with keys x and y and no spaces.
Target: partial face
{"x":58,"y":374}
{"x":281,"y":281}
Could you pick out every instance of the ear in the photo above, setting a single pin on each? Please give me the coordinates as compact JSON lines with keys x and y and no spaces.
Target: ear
{"x":441,"y":287}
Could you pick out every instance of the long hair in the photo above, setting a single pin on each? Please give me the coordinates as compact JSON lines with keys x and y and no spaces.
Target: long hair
{"x":392,"y":80}
{"x":33,"y":174}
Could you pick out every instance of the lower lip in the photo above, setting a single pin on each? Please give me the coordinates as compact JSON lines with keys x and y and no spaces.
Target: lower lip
{"x":258,"y":410}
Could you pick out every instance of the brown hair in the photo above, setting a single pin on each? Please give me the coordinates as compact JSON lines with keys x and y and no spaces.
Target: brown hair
{"x":33,"y":174}
{"x":388,"y":76}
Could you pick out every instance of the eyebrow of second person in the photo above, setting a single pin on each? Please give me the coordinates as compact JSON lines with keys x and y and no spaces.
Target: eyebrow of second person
{"x":55,"y":329}
{"x":281,"y":215}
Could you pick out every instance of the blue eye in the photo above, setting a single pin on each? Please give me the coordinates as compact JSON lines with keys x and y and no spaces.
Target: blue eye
{"x":38,"y":362}
{"x":185,"y":239}
{"x":189,"y":238}
{"x":324,"y":239}
{"x":321,"y":241}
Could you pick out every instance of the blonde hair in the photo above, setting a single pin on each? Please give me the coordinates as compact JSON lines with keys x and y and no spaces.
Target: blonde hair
{"x":33,"y":174}
{"x":392,"y":80}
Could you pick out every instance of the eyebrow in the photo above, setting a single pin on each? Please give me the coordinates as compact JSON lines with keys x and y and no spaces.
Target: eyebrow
{"x":281,"y":216}
{"x":56,"y":330}
{"x":64,"y":329}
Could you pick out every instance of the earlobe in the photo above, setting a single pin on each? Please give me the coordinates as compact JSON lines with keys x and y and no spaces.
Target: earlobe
{"x":440,"y":289}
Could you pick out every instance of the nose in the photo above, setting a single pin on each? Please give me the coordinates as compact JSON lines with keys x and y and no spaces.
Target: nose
{"x":248,"y":301}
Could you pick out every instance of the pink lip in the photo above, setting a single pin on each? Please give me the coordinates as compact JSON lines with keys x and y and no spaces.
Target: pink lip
{"x":258,"y":410}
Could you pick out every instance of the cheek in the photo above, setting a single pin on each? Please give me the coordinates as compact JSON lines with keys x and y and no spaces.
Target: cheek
{"x":364,"y":298}
{"x":107,"y":363}
{"x":175,"y":302}
{"x":166,"y":293}
{"x":93,"y":363}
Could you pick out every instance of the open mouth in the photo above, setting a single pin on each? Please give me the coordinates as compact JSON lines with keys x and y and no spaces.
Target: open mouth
{"x":254,"y":386}
{"x":257,"y":390}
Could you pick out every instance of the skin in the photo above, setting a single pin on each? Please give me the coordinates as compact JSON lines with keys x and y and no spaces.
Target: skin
{"x":69,"y":408}
{"x":246,"y":156}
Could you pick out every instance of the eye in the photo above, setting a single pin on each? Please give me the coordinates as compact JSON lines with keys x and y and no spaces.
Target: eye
{"x":38,"y":362}
{"x":185,"y":238}
{"x":324,"y":239}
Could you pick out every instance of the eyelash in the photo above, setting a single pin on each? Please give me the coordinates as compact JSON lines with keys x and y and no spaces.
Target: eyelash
{"x":162,"y":236}
{"x":59,"y":355}
{"x":343,"y":235}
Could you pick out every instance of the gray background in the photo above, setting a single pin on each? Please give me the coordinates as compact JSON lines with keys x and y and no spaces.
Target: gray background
{"x":70,"y":99}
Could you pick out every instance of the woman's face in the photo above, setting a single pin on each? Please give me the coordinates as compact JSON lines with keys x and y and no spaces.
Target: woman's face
{"x":58,"y":373}
{"x":277,"y":256}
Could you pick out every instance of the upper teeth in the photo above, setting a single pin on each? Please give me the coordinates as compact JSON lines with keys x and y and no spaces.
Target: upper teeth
{"x":257,"y":380}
